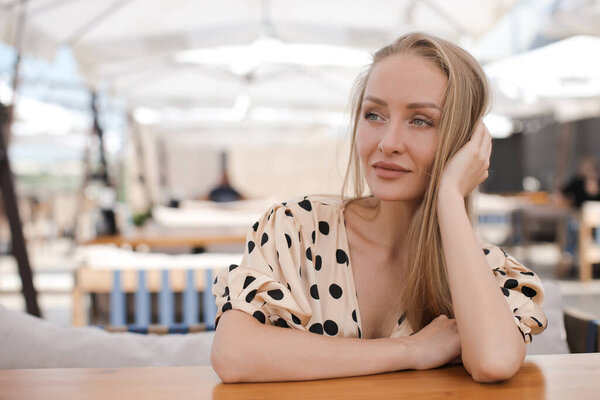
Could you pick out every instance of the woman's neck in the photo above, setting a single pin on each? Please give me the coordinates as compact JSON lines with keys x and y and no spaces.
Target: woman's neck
{"x":383,"y":222}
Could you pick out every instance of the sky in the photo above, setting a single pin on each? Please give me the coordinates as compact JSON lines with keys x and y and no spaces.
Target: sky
{"x":55,"y":101}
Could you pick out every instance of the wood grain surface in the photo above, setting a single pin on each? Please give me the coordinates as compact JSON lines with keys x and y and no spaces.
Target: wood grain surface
{"x":570,"y":376}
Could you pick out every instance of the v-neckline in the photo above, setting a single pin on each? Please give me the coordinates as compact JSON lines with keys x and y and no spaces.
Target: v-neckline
{"x":346,"y":243}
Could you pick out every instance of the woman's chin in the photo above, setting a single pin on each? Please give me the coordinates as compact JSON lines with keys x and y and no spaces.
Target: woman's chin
{"x":393,"y":196}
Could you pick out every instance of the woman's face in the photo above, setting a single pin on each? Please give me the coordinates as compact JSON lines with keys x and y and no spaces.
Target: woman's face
{"x":397,"y":133}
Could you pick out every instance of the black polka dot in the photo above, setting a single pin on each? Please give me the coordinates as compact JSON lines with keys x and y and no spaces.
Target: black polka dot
{"x":289,"y":213}
{"x":264,"y":239}
{"x":515,"y":310}
{"x":299,"y":237}
{"x":335,"y":291}
{"x":226,"y":306}
{"x":527,"y":291}
{"x":282,"y":323}
{"x":359,"y":333}
{"x":249,"y":280}
{"x":511,"y":283}
{"x":518,"y":317}
{"x":486,"y":251}
{"x":250,"y":246}
{"x":232,"y":267}
{"x":313,"y":236}
{"x":277,"y":251}
{"x":255,"y":226}
{"x":505,"y":291}
{"x":271,"y":268}
{"x":300,"y":271}
{"x":527,"y":273}
{"x":316,"y":328}
{"x":288,"y":239}
{"x":275,"y":294}
{"x":284,"y":203}
{"x":537,"y":322}
{"x":306,"y":205}
{"x":215,"y":282}
{"x":259,"y":316}
{"x":289,"y":288}
{"x":354,"y":316}
{"x":330,"y":327}
{"x":314,"y":292}
{"x":226,"y":292}
{"x":324,"y":227}
{"x":401,"y":319}
{"x":269,"y":217}
{"x":309,"y":254}
{"x":250,"y":296}
{"x":318,"y":262}
{"x":341,"y":257}
{"x":296,"y":320}
{"x":499,"y":271}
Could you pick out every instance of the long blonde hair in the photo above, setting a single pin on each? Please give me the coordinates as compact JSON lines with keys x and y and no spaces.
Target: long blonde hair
{"x":426,"y":293}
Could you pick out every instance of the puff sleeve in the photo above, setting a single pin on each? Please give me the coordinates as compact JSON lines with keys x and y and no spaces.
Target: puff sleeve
{"x":266,"y":284}
{"x":522,"y":289}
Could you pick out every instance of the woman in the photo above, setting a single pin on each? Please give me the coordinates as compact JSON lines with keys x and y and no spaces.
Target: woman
{"x":395,"y":279}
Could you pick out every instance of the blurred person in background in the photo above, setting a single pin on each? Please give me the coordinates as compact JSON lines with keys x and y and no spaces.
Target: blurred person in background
{"x":395,"y":279}
{"x":583,"y":186}
{"x":224,"y":192}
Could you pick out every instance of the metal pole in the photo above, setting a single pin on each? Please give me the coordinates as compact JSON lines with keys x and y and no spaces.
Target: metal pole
{"x":7,"y":184}
{"x":11,"y":209}
{"x":97,"y":130}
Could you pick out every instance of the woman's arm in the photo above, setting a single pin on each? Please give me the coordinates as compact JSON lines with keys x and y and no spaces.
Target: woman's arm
{"x":492,"y":347}
{"x":245,"y":350}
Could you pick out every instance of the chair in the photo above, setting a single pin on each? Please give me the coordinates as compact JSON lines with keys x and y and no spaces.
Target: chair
{"x":589,"y":249}
{"x":153,"y":292}
{"x":582,"y":331}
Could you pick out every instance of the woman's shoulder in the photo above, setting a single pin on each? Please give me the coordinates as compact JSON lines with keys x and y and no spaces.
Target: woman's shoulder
{"x":309,"y":210}
{"x":500,"y":261}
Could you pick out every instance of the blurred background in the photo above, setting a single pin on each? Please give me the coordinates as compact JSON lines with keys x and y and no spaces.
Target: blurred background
{"x":163,"y":128}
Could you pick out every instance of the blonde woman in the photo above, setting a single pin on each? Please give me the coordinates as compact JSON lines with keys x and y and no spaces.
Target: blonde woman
{"x":395,"y":279}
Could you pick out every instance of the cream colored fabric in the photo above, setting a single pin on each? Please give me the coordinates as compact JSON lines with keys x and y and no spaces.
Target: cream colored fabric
{"x":296,"y":272}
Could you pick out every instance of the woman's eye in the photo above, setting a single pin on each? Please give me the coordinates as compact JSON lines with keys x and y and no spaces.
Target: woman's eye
{"x":371,"y":116}
{"x":422,"y":122}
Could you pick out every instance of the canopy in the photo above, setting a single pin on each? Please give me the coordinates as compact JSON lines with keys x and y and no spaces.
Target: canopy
{"x":136,"y":46}
{"x":562,"y":78}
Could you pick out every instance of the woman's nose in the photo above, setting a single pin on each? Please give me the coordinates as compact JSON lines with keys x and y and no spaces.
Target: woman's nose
{"x":393,"y":140}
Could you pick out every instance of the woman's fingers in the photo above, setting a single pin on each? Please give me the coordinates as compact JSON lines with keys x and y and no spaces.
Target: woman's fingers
{"x":478,"y":134}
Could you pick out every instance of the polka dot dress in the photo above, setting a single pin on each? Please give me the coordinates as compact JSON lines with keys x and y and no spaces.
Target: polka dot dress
{"x":296,"y":273}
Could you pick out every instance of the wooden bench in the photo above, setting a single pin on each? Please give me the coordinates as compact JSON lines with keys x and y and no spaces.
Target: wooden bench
{"x":198,"y":307}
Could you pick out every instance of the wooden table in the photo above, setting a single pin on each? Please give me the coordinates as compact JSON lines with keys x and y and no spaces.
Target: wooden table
{"x":570,"y":376}
{"x":155,"y":236}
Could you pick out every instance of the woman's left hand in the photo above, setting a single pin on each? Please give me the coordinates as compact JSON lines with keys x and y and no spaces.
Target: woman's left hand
{"x":469,"y":166}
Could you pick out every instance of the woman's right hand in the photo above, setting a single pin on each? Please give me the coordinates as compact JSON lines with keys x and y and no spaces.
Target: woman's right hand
{"x":437,"y":344}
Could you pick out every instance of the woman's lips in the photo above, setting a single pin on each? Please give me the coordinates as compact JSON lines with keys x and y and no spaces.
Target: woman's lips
{"x":386,"y":173}
{"x":389,"y":170}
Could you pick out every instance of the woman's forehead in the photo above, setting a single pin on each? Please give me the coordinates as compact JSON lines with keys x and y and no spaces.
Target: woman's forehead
{"x":401,"y":78}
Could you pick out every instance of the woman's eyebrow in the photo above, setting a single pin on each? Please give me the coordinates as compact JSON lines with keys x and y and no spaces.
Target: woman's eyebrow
{"x":424,"y":104}
{"x":376,"y":100}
